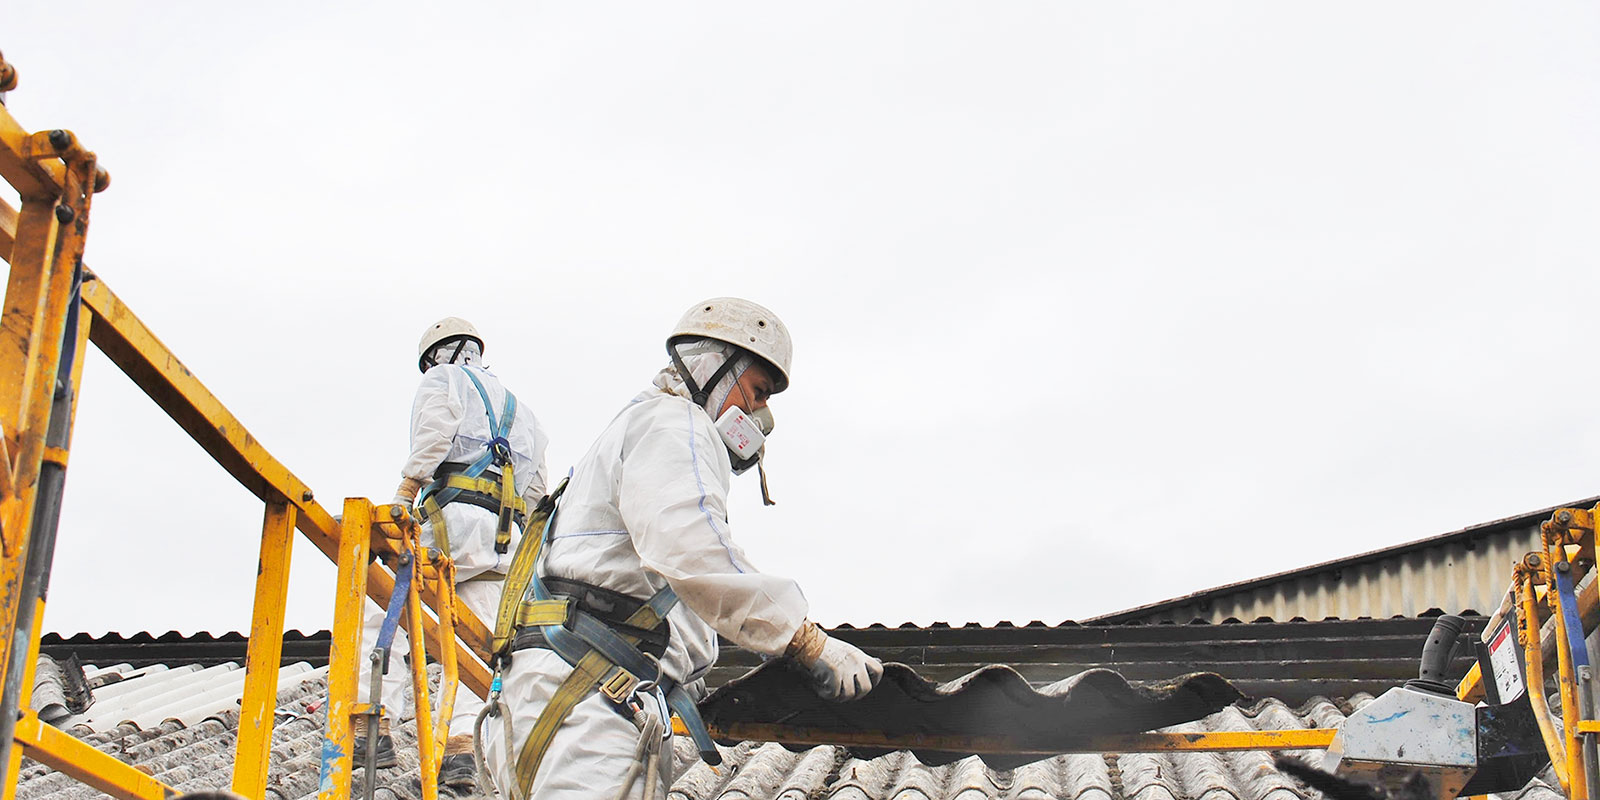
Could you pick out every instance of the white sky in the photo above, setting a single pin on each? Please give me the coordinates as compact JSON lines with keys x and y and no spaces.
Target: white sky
{"x":1094,"y":304}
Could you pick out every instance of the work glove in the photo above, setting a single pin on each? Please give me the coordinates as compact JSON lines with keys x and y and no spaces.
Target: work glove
{"x":406,"y":492}
{"x":841,"y":671}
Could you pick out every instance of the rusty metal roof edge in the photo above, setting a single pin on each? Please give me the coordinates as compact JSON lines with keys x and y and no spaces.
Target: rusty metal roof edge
{"x":1474,"y":531}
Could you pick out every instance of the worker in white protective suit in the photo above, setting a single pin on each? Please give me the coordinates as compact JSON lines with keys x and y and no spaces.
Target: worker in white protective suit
{"x":459,"y":422}
{"x":646,"y":511}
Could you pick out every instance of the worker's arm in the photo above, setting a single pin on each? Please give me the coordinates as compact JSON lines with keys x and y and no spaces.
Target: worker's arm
{"x":528,"y":443}
{"x":436,"y":415}
{"x":674,"y":490}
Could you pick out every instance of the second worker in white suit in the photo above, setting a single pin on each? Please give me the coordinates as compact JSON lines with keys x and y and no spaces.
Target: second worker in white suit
{"x":644,"y":518}
{"x":464,"y":422}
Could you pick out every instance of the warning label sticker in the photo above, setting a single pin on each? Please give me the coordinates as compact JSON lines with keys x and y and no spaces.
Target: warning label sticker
{"x":1507,"y":668}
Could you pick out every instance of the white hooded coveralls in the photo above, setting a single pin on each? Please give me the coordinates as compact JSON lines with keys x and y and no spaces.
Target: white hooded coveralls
{"x":448,"y":424}
{"x":646,"y":507}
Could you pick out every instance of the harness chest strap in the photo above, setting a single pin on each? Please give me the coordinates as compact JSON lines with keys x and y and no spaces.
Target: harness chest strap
{"x":501,"y":494}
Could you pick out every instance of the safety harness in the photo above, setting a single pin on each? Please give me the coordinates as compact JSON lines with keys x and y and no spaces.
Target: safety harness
{"x":464,"y":483}
{"x":612,"y":641}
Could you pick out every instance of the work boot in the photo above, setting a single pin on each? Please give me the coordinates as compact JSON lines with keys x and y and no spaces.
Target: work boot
{"x":358,"y":753}
{"x":458,"y":770}
{"x":460,"y":774}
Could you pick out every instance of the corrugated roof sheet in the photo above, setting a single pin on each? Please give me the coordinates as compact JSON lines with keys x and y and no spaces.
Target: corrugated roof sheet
{"x":994,"y":701}
{"x":1290,"y":660}
{"x":1467,"y":569}
{"x":193,"y":757}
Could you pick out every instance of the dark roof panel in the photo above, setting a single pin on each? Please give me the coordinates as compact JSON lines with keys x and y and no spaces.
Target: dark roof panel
{"x":993,"y":702}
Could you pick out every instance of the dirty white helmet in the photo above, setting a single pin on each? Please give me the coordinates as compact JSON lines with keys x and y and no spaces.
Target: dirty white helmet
{"x":449,"y":329}
{"x":744,"y":324}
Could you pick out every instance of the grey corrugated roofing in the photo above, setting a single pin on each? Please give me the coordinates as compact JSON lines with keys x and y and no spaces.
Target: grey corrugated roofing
{"x":192,"y":757}
{"x":1280,"y":658}
{"x":991,"y":702}
{"x":1464,"y":570}
{"x":199,"y":756}
{"x":1290,"y":660}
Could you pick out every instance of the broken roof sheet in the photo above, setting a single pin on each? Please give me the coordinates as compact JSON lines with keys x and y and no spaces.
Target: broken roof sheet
{"x":942,"y":721}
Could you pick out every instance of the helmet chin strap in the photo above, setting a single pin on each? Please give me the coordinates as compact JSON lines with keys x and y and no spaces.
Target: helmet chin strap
{"x":701,"y":395}
{"x":430,"y":362}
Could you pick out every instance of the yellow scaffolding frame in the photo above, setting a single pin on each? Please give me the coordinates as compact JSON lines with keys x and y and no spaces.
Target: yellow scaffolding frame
{"x":48,"y":290}
{"x":1551,"y":623}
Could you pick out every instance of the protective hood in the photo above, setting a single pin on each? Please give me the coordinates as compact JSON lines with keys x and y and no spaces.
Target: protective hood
{"x":470,"y":355}
{"x":703,"y":358}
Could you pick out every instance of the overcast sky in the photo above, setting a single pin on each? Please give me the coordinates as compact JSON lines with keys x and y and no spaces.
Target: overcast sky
{"x":1093,"y":304}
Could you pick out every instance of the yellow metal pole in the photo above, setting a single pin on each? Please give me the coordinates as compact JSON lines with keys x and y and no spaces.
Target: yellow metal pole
{"x":21,"y":333}
{"x":1305,"y":739}
{"x":419,"y":673}
{"x":52,"y":246}
{"x":62,"y":753}
{"x":1567,"y":679}
{"x":14,"y":766}
{"x":14,"y":763}
{"x":1528,"y":626}
{"x":447,"y":681}
{"x":256,"y":711}
{"x":344,"y":655}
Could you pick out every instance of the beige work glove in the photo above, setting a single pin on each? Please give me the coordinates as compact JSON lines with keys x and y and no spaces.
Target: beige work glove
{"x":841,"y":670}
{"x":406,"y":492}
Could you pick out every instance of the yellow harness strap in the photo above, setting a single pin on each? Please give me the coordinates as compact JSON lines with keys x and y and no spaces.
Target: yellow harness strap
{"x":435,"y":516}
{"x":591,"y":672}
{"x":543,"y":612}
{"x":523,"y":563}
{"x":501,"y":491}
{"x":510,"y":504}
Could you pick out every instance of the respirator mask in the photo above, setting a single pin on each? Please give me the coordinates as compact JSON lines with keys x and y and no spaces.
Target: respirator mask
{"x":743,"y":433}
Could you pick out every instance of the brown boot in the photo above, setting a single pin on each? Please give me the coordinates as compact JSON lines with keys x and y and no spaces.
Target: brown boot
{"x":458,"y":769}
{"x":358,"y":753}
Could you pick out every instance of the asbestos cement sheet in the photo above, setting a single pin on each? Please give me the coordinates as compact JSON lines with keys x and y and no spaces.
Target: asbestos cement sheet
{"x":992,"y":712}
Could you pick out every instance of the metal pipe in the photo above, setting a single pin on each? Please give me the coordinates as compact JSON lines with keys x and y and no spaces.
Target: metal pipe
{"x":447,"y":631}
{"x":426,"y":752}
{"x":46,"y":521}
{"x":1567,"y":678}
{"x":1212,"y":741}
{"x":1591,"y":754}
{"x":1528,"y":636}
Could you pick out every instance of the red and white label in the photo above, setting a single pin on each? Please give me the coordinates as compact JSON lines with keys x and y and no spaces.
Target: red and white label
{"x":1503,"y":658}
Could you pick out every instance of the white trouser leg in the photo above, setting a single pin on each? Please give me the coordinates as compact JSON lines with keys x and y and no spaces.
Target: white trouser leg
{"x":397,"y":699}
{"x":592,"y":750}
{"x":483,"y":597}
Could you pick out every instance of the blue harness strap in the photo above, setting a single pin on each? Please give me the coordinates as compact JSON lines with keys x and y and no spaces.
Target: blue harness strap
{"x":497,"y":451}
{"x":584,"y":632}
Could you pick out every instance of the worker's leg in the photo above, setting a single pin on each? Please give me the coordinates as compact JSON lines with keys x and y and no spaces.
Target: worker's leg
{"x":483,"y":598}
{"x":592,"y":750}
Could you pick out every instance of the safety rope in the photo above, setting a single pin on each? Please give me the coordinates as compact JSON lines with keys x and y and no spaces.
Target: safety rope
{"x":646,"y":755}
{"x":493,"y":707}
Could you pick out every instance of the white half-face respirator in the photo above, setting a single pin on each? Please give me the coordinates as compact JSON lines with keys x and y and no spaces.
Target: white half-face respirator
{"x":745,"y":434}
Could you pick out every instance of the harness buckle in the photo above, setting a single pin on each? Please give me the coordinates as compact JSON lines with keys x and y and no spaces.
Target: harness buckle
{"x":618,"y":685}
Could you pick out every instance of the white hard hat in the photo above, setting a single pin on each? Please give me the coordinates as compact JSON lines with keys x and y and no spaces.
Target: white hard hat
{"x":741,"y":323}
{"x":445,"y":330}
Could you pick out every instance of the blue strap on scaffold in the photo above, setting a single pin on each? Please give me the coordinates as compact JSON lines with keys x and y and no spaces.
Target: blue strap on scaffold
{"x":391,"y":616}
{"x":1567,"y":591}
